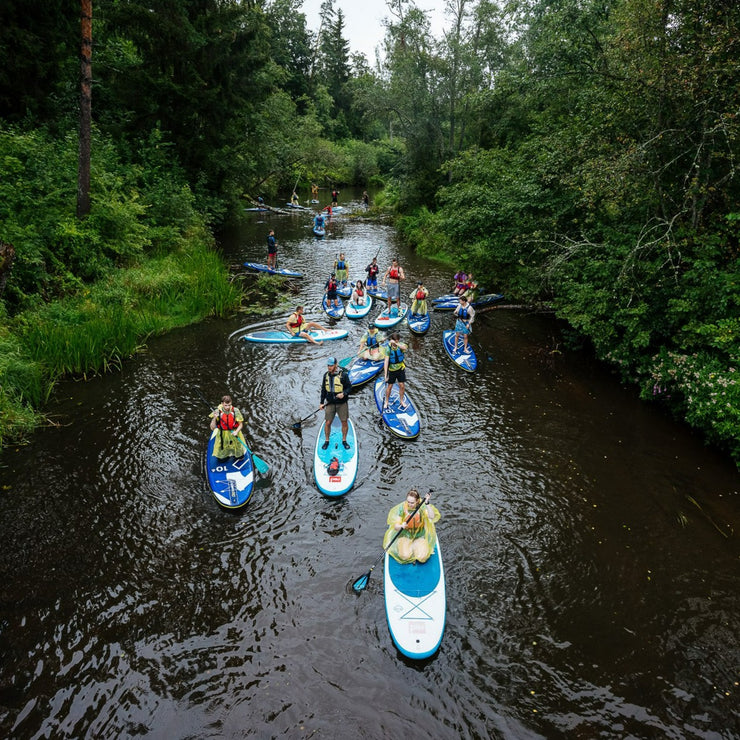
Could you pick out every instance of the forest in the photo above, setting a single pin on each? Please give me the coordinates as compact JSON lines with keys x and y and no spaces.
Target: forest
{"x":578,"y":155}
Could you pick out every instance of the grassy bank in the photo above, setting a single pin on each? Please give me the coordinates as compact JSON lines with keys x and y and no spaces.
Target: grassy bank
{"x":94,"y":331}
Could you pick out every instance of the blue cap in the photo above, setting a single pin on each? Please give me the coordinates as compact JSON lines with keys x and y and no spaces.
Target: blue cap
{"x":331,"y":361}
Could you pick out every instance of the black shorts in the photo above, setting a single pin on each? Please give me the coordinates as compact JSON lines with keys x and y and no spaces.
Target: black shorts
{"x":397,"y":376}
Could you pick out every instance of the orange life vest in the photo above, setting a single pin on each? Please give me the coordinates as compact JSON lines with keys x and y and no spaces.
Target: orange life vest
{"x":227,"y":420}
{"x":415,"y":523}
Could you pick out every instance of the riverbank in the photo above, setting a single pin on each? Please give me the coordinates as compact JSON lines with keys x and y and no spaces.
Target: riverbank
{"x":94,"y":331}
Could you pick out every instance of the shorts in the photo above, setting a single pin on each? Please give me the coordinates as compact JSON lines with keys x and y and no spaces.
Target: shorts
{"x":397,"y":376}
{"x":394,"y":291}
{"x":339,"y":409}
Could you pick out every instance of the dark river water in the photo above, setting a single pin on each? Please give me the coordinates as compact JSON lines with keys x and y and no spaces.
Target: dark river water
{"x":590,"y":544}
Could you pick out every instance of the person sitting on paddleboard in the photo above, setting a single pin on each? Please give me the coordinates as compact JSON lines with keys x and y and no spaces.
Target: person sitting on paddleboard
{"x":393,"y":276}
{"x":370,"y":348}
{"x":298,"y":326}
{"x":330,"y":288}
{"x":359,"y":294}
{"x":464,"y":314}
{"x":394,"y":370}
{"x":419,"y":299}
{"x":470,"y":288}
{"x":418,"y":538}
{"x":318,"y":221}
{"x":341,"y":268}
{"x":335,"y":388}
{"x":460,"y":279}
{"x":272,"y":246}
{"x":372,"y":271}
{"x":229,"y":440}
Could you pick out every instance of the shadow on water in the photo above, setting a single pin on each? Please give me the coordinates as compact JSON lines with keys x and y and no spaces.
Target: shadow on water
{"x":590,"y":543}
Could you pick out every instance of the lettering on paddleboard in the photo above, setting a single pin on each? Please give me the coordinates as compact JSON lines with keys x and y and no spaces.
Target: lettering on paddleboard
{"x":335,"y":479}
{"x":417,"y":628}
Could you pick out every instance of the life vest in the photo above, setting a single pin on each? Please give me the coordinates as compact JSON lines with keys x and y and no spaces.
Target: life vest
{"x":420,"y":295}
{"x":333,"y":384}
{"x":395,"y":356}
{"x":415,"y":523}
{"x":460,"y":279}
{"x":333,"y":467}
{"x":340,"y":265}
{"x":332,"y":285}
{"x":360,"y":292}
{"x":372,"y":270}
{"x":371,"y":340}
{"x":393,"y":273}
{"x":298,"y":321}
{"x":227,"y":420}
{"x":462,"y":313}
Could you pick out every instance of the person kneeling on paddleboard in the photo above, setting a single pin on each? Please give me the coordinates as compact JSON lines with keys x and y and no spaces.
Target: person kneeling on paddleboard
{"x":419,"y":299}
{"x":416,"y":524}
{"x":230,"y":440}
{"x":335,"y":388}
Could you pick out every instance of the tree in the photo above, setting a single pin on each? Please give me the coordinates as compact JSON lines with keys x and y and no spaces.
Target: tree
{"x":83,"y":167}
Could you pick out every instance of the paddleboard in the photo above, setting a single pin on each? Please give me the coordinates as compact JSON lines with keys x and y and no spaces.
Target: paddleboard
{"x":353,"y":311}
{"x":230,"y":481}
{"x":415,"y":604}
{"x":331,"y":310}
{"x":337,"y":479}
{"x":378,"y":293}
{"x":318,"y":231}
{"x":466,"y":360}
{"x":362,"y":370}
{"x":386,"y":319}
{"x":452,"y":303}
{"x":297,"y":207}
{"x":419,"y":323}
{"x":279,"y":336}
{"x":403,"y":423}
{"x":264,"y":268}
{"x":345,"y":289}
{"x":445,"y":298}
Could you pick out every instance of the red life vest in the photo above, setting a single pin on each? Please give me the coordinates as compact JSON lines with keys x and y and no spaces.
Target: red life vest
{"x":393,"y":273}
{"x":420,"y":295}
{"x":227,"y":420}
{"x":332,"y":285}
{"x":298,"y":321}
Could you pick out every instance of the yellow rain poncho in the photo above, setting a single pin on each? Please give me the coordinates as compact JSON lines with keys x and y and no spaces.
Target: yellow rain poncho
{"x":417,"y":542}
{"x":226,"y":444}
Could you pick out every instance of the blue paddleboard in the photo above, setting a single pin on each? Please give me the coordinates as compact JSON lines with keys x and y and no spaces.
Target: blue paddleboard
{"x":280,"y":336}
{"x":264,"y":268}
{"x":419,"y":323}
{"x":331,"y":310}
{"x":361,"y":370}
{"x":390,"y":317}
{"x":466,"y":360}
{"x":403,"y":423}
{"x":335,"y":468}
{"x":230,"y":481}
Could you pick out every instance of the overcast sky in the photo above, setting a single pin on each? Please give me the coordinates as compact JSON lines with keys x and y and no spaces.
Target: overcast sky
{"x":363,"y":19}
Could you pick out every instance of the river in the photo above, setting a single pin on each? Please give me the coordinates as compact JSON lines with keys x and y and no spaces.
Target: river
{"x":590,"y":543}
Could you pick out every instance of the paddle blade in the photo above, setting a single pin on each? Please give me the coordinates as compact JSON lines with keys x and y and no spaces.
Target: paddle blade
{"x":345,"y":361}
{"x":361,"y":583}
{"x":262,"y":467}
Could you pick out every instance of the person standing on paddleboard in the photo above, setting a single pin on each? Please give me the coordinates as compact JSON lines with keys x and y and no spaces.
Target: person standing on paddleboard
{"x":394,"y":370}
{"x":230,"y":440}
{"x":393,"y":276}
{"x":341,"y":269}
{"x":335,"y":388}
{"x":298,"y":326}
{"x":416,"y":524}
{"x":330,"y":288}
{"x":372,"y":271}
{"x":464,"y":314}
{"x":272,"y":246}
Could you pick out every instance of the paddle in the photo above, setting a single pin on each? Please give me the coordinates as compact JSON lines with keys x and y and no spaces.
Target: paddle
{"x":262,"y":467}
{"x":297,"y":424}
{"x":360,"y":584}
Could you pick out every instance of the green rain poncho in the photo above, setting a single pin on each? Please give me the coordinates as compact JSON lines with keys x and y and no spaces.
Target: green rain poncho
{"x":398,"y":515}
{"x":226,"y":444}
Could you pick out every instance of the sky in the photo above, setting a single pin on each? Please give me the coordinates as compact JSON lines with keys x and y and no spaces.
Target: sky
{"x":363,"y":20}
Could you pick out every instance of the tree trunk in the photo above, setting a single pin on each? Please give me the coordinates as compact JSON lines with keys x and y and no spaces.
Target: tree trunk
{"x":7,"y":254}
{"x":83,"y":165}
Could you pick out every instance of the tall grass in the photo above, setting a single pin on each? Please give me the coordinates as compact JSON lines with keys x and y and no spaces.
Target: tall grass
{"x":94,"y":331}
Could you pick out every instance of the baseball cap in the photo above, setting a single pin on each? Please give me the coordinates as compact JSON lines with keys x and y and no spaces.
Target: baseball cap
{"x":331,"y":361}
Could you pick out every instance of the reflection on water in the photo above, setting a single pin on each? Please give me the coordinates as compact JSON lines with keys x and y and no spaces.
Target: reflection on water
{"x":589,"y":545}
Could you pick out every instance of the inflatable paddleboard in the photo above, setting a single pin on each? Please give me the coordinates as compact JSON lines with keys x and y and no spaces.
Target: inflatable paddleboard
{"x":466,"y":360}
{"x":452,"y":303}
{"x":331,"y":310}
{"x":378,"y":293}
{"x":335,"y":468}
{"x":264,"y":268}
{"x":279,"y":336}
{"x":230,"y":481}
{"x":415,"y":604}
{"x":419,"y":323}
{"x":353,"y":311}
{"x":403,"y":423}
{"x":361,"y":370}
{"x":388,"y":318}
{"x":319,"y":231}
